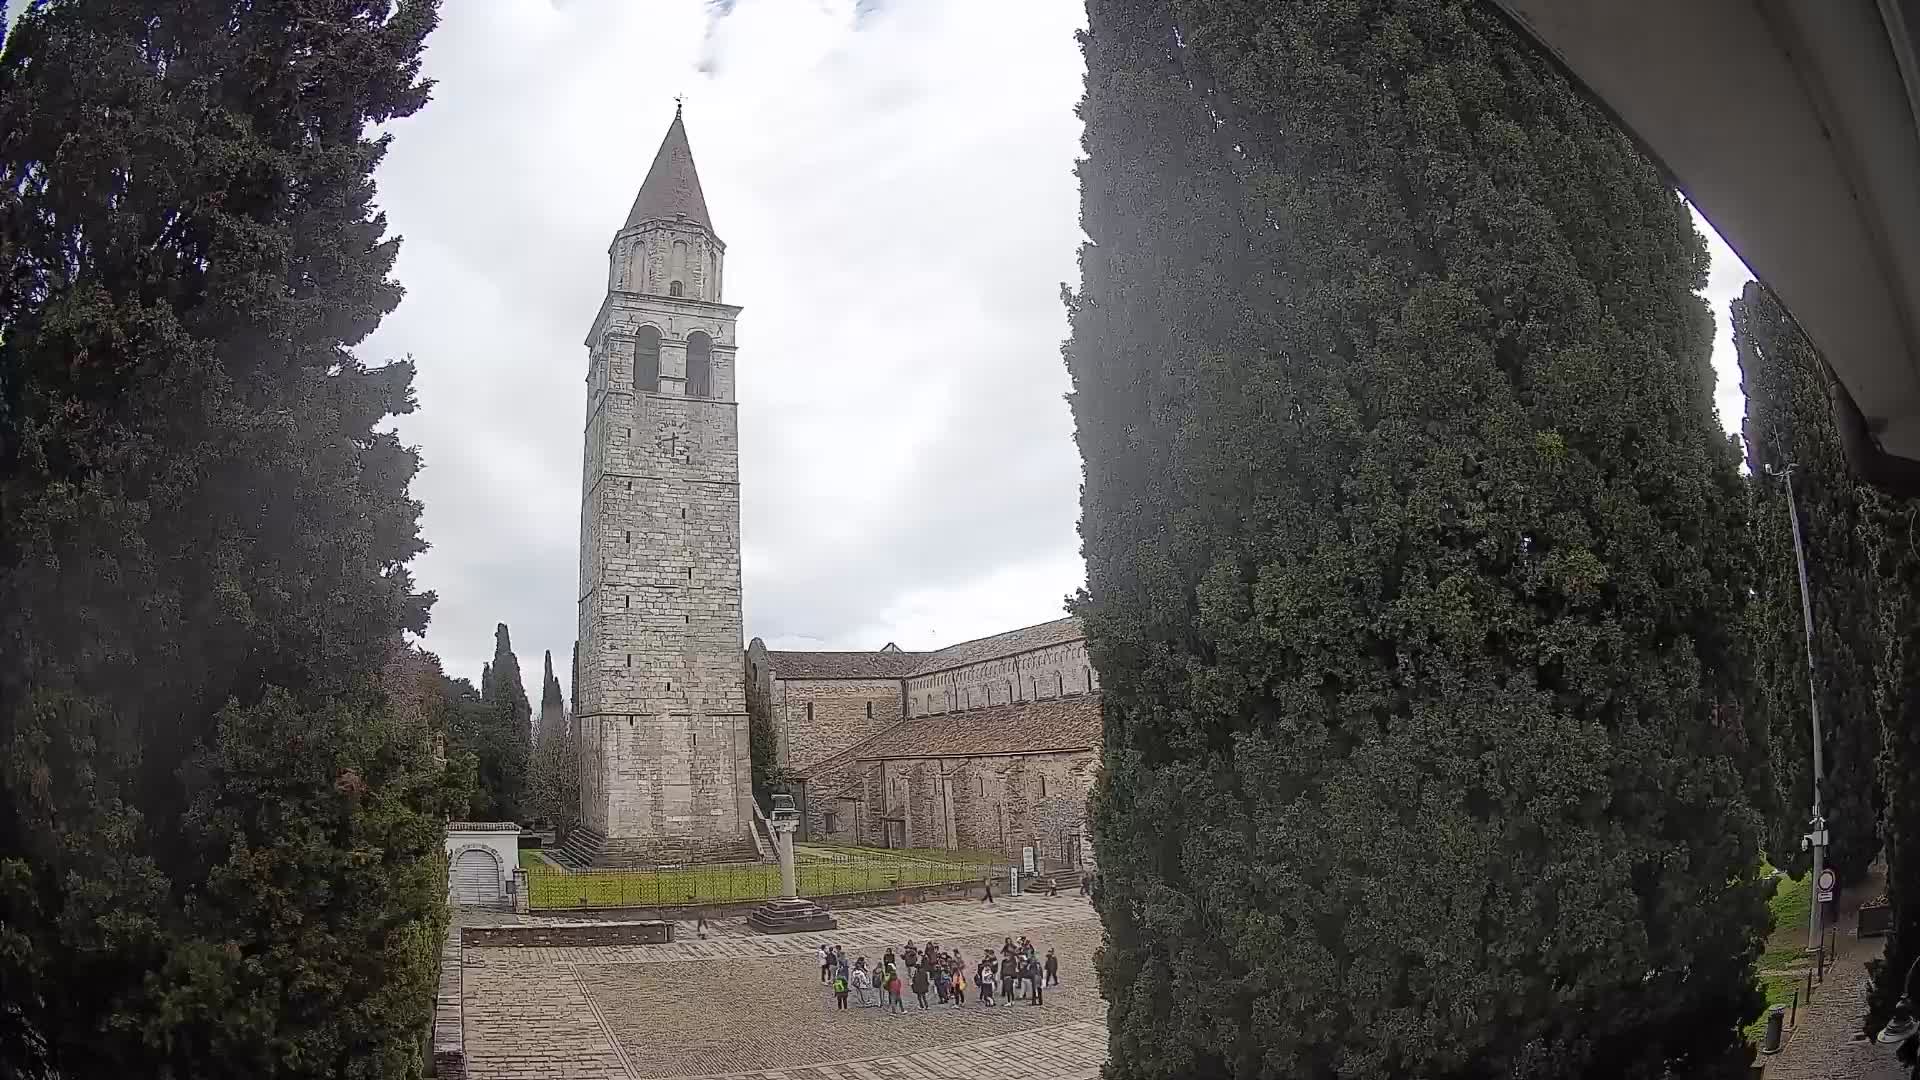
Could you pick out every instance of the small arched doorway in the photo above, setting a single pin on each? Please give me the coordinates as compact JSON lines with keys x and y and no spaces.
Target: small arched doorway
{"x":477,"y":878}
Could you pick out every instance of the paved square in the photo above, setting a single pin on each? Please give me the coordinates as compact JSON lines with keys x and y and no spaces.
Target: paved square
{"x":747,"y":1007}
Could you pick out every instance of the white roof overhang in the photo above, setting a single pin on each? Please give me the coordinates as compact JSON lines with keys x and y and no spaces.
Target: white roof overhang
{"x":1791,"y":126}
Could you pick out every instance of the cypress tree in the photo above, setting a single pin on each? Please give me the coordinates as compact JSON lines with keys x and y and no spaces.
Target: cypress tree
{"x":553,"y":781}
{"x":1897,"y":697}
{"x":506,"y":749}
{"x":1789,"y":422}
{"x":204,"y":534}
{"x":1415,"y":561}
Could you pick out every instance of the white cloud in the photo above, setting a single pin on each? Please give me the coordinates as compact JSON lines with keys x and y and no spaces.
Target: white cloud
{"x":895,"y":186}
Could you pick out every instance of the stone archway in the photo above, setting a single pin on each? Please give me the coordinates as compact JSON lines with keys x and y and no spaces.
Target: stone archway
{"x":476,"y":878}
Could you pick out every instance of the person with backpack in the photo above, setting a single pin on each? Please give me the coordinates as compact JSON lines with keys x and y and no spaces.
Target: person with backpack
{"x":860,"y":983}
{"x":894,"y":988}
{"x":959,"y":984}
{"x":983,"y":978}
{"x":839,"y":990}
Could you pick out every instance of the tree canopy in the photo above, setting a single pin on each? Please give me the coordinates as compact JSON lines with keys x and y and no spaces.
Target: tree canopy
{"x":1416,"y":561}
{"x":204,"y":538}
{"x":1790,"y":424}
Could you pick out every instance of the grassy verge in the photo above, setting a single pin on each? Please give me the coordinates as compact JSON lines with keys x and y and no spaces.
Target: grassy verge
{"x":1786,"y":946}
{"x":934,"y":855}
{"x":866,"y":871}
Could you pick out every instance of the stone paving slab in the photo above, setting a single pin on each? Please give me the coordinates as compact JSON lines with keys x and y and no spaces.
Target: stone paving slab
{"x":750,"y":1007}
{"x":895,"y":926}
{"x":1068,"y":1052}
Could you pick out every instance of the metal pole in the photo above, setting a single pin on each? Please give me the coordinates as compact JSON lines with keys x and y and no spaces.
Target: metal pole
{"x":1816,"y":938}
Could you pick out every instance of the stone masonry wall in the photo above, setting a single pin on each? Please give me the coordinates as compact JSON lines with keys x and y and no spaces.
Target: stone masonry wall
{"x":662,"y":710}
{"x":814,"y":719}
{"x":1029,"y":676}
{"x":999,"y":804}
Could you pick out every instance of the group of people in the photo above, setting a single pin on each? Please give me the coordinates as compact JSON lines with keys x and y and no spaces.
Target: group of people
{"x":1016,"y":970}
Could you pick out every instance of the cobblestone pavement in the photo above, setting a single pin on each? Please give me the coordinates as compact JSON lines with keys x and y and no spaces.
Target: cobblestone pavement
{"x":1825,"y":1044}
{"x":743,"y":1006}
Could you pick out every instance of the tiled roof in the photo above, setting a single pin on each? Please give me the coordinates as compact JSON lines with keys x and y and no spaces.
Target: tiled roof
{"x":1023,"y":727}
{"x":841,"y":665}
{"x":980,"y":650}
{"x":672,"y":187}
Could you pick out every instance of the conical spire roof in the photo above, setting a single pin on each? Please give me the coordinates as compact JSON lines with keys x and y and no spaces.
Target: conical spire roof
{"x":672,"y":186}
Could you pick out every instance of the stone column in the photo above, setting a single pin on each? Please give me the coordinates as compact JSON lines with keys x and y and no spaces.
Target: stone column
{"x":789,"y":912}
{"x":783,"y":843}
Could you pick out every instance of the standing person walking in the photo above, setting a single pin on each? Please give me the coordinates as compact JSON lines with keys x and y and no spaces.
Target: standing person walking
{"x":1053,"y":969}
{"x":899,"y":1002}
{"x":988,"y":899}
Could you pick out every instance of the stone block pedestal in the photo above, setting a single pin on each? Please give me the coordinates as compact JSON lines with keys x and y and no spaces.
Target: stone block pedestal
{"x":791,"y":915}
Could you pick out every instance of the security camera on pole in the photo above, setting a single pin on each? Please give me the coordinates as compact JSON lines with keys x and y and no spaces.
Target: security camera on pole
{"x":1816,"y":840}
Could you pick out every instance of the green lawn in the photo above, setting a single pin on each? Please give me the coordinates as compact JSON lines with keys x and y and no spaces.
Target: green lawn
{"x":936,"y":855}
{"x":1779,"y":990}
{"x":1786,"y":946}
{"x":851,"y":870}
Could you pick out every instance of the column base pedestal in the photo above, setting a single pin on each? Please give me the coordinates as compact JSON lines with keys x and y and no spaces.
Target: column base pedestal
{"x":791,"y":915}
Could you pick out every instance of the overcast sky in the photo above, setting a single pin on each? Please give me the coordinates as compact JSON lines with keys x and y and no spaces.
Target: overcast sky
{"x":894,"y":182}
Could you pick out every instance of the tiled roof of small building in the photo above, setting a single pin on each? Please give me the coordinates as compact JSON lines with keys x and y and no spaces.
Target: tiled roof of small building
{"x":1053,"y":725}
{"x":841,"y":665}
{"x":980,"y":650}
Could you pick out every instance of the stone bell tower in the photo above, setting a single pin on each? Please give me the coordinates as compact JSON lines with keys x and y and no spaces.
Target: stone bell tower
{"x":662,"y":716}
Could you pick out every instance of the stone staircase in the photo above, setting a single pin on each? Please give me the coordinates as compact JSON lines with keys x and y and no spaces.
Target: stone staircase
{"x":1067,"y":880}
{"x":587,"y":849}
{"x":582,"y":848}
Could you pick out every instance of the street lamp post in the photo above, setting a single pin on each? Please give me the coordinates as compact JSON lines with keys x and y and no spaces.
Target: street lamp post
{"x":1816,"y":840}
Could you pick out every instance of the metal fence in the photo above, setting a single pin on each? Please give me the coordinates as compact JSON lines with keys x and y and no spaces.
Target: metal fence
{"x":829,"y":873}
